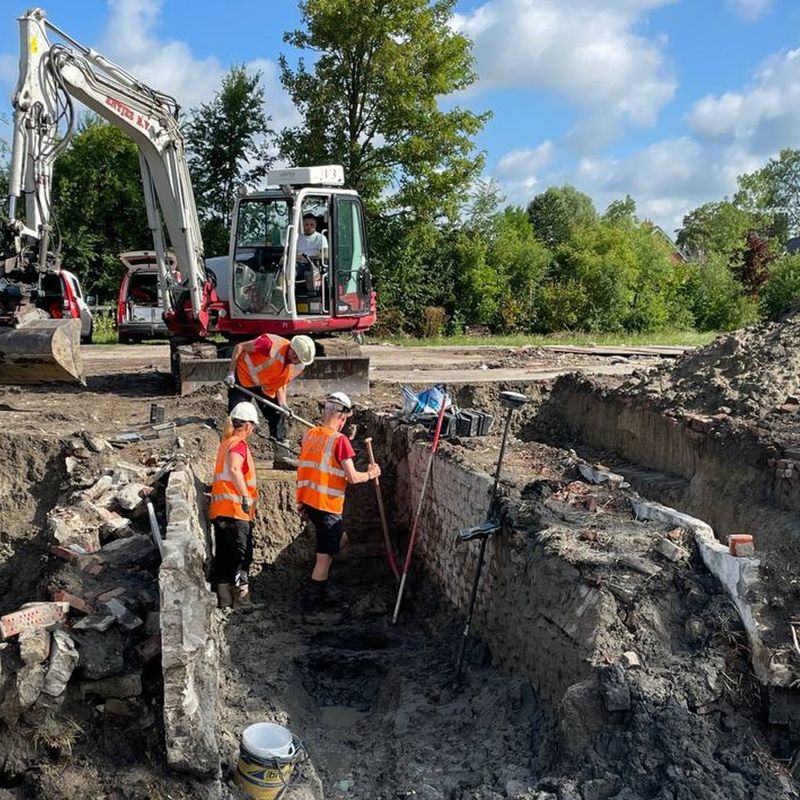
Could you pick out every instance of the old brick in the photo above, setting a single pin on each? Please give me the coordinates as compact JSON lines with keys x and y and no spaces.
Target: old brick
{"x":32,"y":615}
{"x":150,"y":648}
{"x":670,"y":550}
{"x":120,"y":686}
{"x":78,"y":603}
{"x":63,"y":553}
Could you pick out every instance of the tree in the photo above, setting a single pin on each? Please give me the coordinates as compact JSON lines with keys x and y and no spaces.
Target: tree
{"x":371,"y":102}
{"x":98,"y":205}
{"x":621,"y":212}
{"x":228,"y":141}
{"x":559,"y":211}
{"x":775,"y":189}
{"x":716,"y":298}
{"x":719,"y":228}
{"x":753,"y":270}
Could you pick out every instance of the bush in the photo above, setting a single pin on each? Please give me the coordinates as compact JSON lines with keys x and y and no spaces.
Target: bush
{"x":782,"y":286}
{"x":390,"y":322}
{"x":562,"y":306}
{"x":433,"y":321}
{"x":717,"y":299}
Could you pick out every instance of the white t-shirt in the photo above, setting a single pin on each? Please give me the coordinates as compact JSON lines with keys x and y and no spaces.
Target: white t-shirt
{"x":311,"y":246}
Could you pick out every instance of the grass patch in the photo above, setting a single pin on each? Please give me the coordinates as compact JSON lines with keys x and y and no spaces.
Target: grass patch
{"x":577,"y":339}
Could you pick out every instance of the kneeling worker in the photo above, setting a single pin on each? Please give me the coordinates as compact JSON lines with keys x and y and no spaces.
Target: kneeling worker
{"x":325,"y":468}
{"x":266,"y":366}
{"x":232,"y":509}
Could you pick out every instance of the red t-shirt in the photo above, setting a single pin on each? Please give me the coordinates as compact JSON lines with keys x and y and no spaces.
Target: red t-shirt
{"x":343,"y":450}
{"x":262,"y":344}
{"x":241,"y":449}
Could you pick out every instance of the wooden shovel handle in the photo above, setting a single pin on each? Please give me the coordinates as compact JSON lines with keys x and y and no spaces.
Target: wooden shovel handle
{"x":368,"y":444}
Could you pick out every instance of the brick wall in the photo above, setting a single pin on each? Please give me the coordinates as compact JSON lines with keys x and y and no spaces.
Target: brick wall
{"x":537,"y":616}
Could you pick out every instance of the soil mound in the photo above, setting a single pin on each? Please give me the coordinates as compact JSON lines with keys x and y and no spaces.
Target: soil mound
{"x":749,"y":372}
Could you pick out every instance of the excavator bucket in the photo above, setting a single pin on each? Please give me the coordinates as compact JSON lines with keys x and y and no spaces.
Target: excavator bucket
{"x":342,"y":367}
{"x":42,"y":351}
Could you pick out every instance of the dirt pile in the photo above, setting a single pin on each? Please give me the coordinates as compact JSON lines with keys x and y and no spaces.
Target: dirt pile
{"x":749,"y":372}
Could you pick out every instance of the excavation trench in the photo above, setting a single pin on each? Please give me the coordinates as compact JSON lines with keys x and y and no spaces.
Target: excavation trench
{"x":600,"y":667}
{"x":727,"y":471}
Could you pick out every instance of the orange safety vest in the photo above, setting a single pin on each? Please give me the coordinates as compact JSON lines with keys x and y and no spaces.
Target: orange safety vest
{"x":321,"y":481}
{"x":271,"y":371}
{"x":225,"y":498}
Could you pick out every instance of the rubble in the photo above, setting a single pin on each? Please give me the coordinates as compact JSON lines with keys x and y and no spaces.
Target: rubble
{"x":34,"y":645}
{"x":62,"y":663}
{"x":119,"y":686}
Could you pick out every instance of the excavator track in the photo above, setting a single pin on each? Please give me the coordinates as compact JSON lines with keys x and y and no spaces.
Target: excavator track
{"x":42,"y":351}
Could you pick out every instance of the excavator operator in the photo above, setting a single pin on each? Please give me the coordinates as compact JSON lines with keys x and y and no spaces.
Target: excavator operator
{"x":265,"y":366}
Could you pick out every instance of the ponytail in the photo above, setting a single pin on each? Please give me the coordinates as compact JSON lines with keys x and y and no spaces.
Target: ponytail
{"x":231,"y":426}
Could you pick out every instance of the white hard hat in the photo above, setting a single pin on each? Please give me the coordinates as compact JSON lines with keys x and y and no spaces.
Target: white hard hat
{"x":341,"y":398}
{"x":304,"y":349}
{"x":245,"y":412}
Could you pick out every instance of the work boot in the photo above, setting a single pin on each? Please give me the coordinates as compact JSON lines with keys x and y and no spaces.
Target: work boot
{"x":282,"y":457}
{"x":241,"y":596}
{"x":224,"y":595}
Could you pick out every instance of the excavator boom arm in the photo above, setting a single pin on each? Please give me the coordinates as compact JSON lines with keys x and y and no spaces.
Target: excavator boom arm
{"x":51,"y":77}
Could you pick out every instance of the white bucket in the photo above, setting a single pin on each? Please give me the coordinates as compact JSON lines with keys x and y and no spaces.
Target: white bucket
{"x":265,"y":739}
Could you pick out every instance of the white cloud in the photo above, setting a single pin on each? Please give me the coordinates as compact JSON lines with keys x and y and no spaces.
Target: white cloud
{"x":586,"y":51}
{"x":131,"y":39}
{"x":518,"y":170}
{"x":750,"y":10}
{"x":764,"y":116}
{"x":278,"y":104}
{"x":525,"y":160}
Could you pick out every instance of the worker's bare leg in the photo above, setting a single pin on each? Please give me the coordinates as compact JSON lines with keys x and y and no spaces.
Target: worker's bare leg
{"x":322,"y":567}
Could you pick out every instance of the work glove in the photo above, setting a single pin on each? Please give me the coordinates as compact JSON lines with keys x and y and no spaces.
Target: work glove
{"x":247,"y":504}
{"x":230,"y":380}
{"x":286,"y":410}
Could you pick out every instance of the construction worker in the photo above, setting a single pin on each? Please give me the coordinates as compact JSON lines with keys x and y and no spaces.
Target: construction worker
{"x":265,"y":366}
{"x":232,"y":508}
{"x":324,"y":470}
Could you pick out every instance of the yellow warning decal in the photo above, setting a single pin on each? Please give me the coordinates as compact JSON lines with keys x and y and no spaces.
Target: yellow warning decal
{"x":34,"y":44}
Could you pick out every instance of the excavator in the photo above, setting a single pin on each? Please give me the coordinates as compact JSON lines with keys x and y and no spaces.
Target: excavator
{"x":263,"y":285}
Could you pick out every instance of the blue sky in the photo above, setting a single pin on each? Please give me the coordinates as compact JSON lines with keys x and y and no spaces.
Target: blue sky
{"x":665,"y":100}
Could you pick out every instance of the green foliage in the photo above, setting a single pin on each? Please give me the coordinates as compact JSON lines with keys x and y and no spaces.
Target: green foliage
{"x":717,"y":300}
{"x":370,"y":101}
{"x":99,"y":205}
{"x":775,"y":189}
{"x":621,"y":213}
{"x":783,"y":285}
{"x":228,"y":140}
{"x":719,"y":228}
{"x":559,"y":211}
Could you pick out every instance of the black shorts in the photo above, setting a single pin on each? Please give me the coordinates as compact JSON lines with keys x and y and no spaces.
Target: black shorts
{"x":329,"y":528}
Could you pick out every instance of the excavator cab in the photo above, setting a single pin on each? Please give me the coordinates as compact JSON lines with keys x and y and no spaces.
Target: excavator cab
{"x":299,"y":253}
